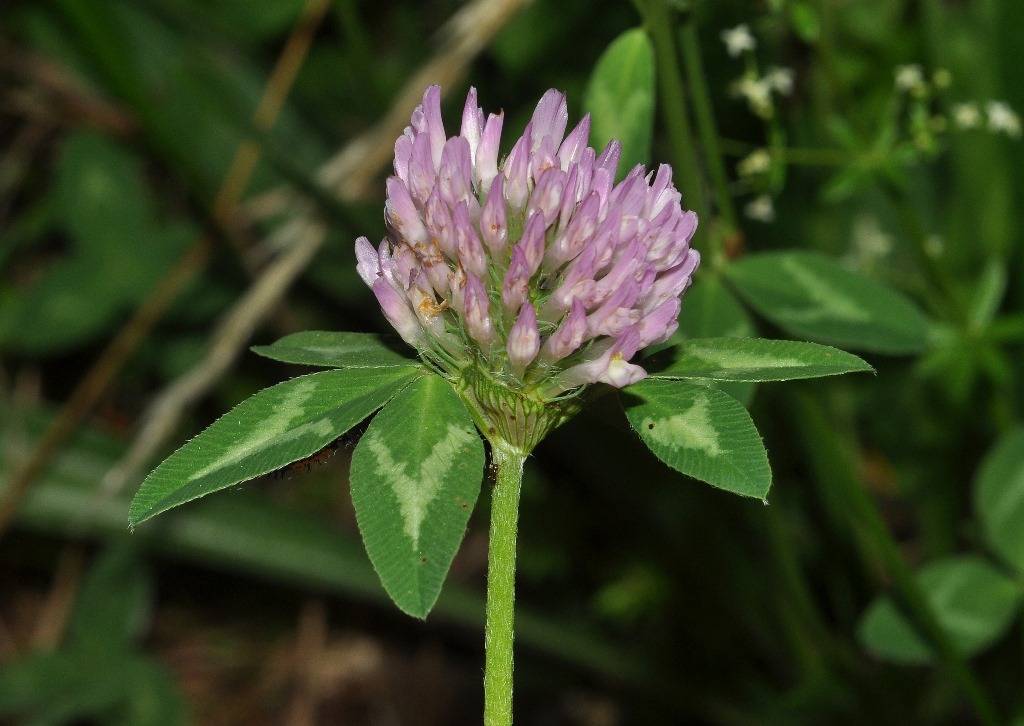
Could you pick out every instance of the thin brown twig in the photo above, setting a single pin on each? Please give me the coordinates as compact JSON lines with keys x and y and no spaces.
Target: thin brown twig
{"x":352,"y":171}
{"x":279,"y":84}
{"x":228,"y":339}
{"x":56,"y":612}
{"x":310,"y":641}
{"x":102,"y":373}
{"x":100,"y":376}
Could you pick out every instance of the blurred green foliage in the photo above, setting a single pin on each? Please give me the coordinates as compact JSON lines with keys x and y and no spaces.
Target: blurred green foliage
{"x":118,"y":123}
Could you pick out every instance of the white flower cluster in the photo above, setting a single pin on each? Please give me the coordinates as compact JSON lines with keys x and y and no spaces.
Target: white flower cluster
{"x":996,"y":116}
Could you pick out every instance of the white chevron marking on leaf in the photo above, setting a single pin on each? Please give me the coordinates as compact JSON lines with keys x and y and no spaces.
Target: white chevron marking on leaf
{"x":416,"y":492}
{"x":691,"y":429}
{"x":276,"y":428}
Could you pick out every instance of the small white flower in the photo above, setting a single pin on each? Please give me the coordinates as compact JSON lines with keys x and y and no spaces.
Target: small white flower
{"x":966,"y":116}
{"x":738,"y":39}
{"x":760,"y":209}
{"x":909,"y":77}
{"x":1003,"y":119}
{"x":869,"y":240}
{"x":758,"y":95}
{"x":758,"y":161}
{"x":779,"y":79}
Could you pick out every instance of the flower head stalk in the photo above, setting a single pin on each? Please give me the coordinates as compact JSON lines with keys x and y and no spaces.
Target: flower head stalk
{"x":527,"y":279}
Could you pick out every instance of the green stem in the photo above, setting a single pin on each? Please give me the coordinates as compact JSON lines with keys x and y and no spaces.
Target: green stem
{"x":941,"y":296}
{"x":501,"y":584}
{"x":658,"y":22}
{"x":706,"y":127}
{"x":834,"y":468}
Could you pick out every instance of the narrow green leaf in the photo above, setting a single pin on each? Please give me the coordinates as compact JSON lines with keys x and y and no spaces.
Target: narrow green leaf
{"x":58,"y":687}
{"x":271,"y":429}
{"x":988,"y":294}
{"x":113,"y":605}
{"x":974,"y":602}
{"x":756,"y":359}
{"x":701,"y":432}
{"x":69,"y":304}
{"x":99,"y":194}
{"x":415,"y":477}
{"x":620,"y":98}
{"x":152,"y":698}
{"x":338,"y":350}
{"x":999,"y":498}
{"x":812,"y":296}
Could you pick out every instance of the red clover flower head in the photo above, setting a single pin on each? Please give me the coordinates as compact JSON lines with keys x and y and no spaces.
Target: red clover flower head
{"x":537,"y":274}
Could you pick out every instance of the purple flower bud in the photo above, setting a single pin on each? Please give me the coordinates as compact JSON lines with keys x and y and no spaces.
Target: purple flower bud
{"x":494,"y":218}
{"x":399,"y":314}
{"x":569,"y":196}
{"x":455,"y":176}
{"x":544,"y":157}
{"x":532,"y":243}
{"x":487,"y":152}
{"x":671,"y":283}
{"x":401,"y":214}
{"x":616,"y":313}
{"x":403,"y":152}
{"x":546,"y":198}
{"x":609,"y":158}
{"x":437,"y":217}
{"x":426,"y":120}
{"x":400,"y":267}
{"x":620,"y":372}
{"x":577,"y":281}
{"x":659,"y":237}
{"x":611,"y":364}
{"x":569,"y":336}
{"x":631,"y":193}
{"x":626,"y":268}
{"x":606,"y":239}
{"x":471,"y":251}
{"x":572,"y":148}
{"x":367,"y":261}
{"x":662,"y":193}
{"x":472,"y":123}
{"x":523,"y":340}
{"x":686,"y":225}
{"x":579,"y":231}
{"x":601,"y":184}
{"x":516,"y":286}
{"x":517,"y":171}
{"x":550,"y":118}
{"x":422,"y":176}
{"x":659,"y":325}
{"x":477,"y":312}
{"x":585,"y":179}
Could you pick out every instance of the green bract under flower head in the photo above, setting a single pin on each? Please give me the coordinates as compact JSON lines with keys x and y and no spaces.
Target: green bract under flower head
{"x":536,"y":275}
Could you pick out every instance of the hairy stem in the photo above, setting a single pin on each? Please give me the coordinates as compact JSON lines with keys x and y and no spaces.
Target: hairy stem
{"x":501,"y":584}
